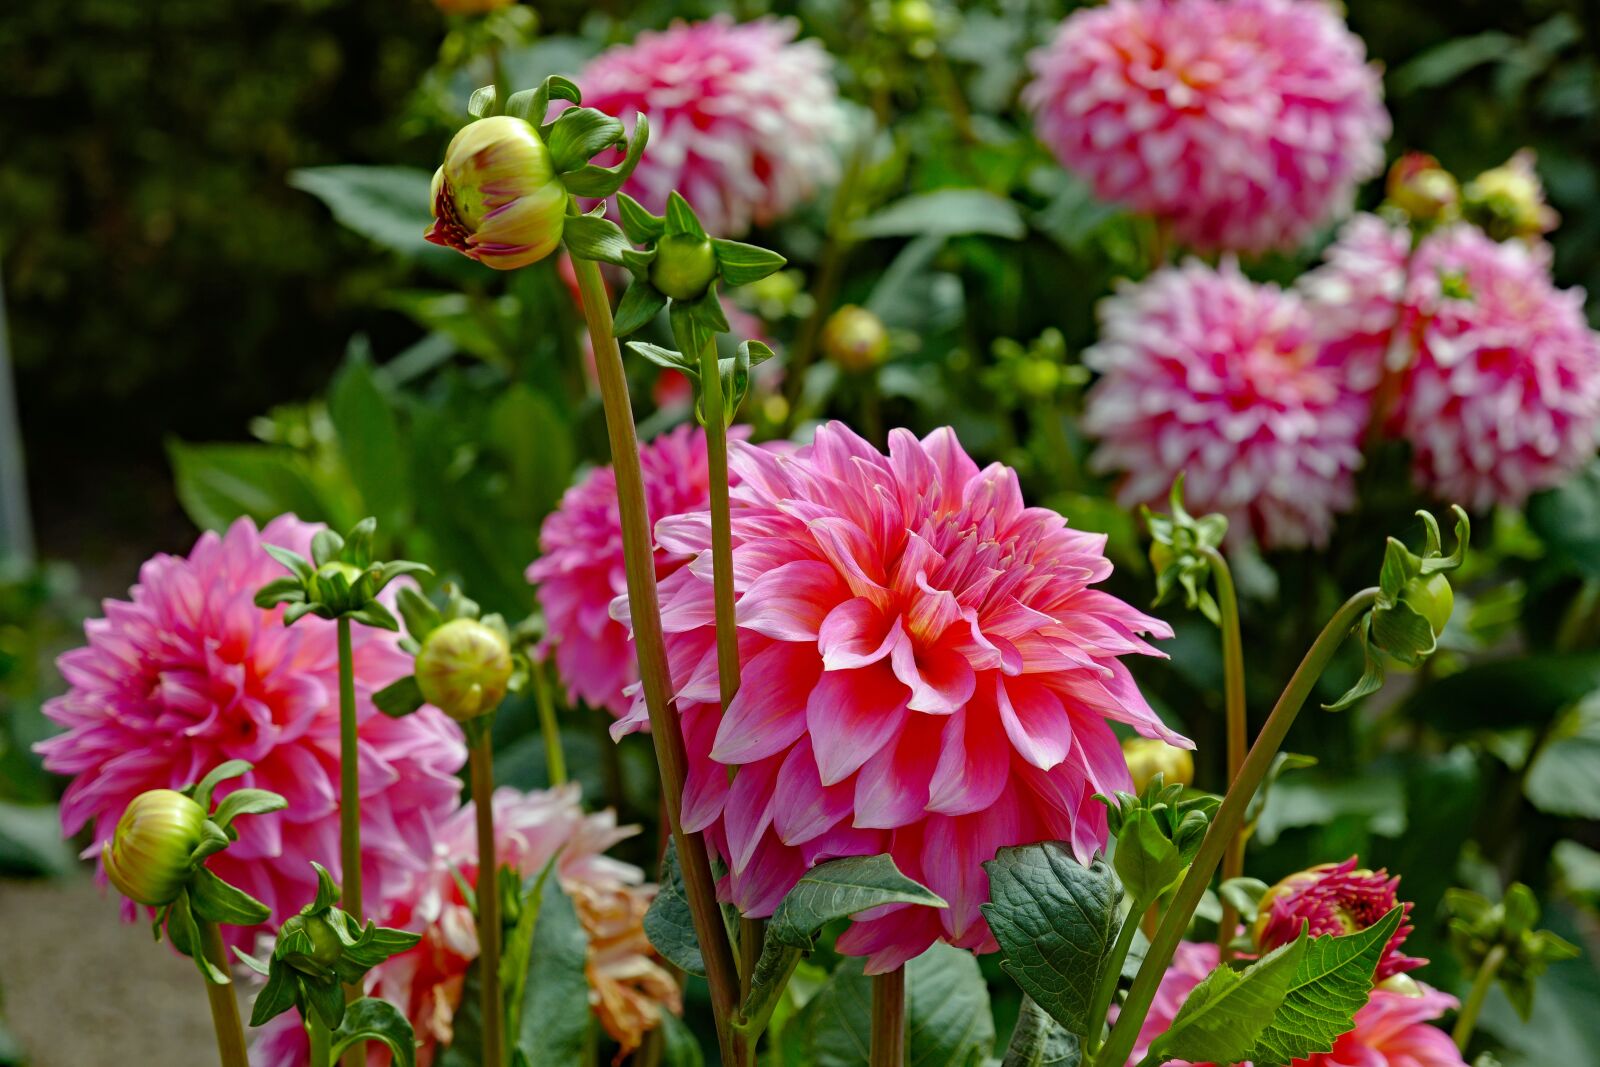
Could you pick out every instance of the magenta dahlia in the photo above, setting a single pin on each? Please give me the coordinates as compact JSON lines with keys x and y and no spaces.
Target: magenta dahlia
{"x":581,"y":569}
{"x":1245,"y":124}
{"x":1210,"y":375}
{"x":744,"y":119}
{"x":928,"y":671}
{"x":1335,"y":899}
{"x":188,"y":673}
{"x":1499,"y":393}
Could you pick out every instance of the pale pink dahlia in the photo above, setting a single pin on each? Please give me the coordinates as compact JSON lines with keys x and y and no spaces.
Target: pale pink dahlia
{"x":1245,"y":124}
{"x":1208,"y":374}
{"x":1500,"y":389}
{"x":581,"y":569}
{"x":744,"y":119}
{"x":1332,"y":900}
{"x":927,"y":671}
{"x":188,"y":673}
{"x":628,"y":986}
{"x":1391,"y":1029}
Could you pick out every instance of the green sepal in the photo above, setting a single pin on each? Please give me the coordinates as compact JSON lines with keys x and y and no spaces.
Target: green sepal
{"x":420,"y":614}
{"x":201,"y":790}
{"x":640,"y":225}
{"x":399,"y":698}
{"x":597,"y":181}
{"x":184,"y":933}
{"x":245,"y":802}
{"x":294,"y":612}
{"x":666,"y":357}
{"x":358,"y":542}
{"x":638,"y":308}
{"x":741,"y":264}
{"x":297,"y":564}
{"x":372,"y":1019}
{"x":326,"y":547}
{"x":1179,"y":553}
{"x":327,"y":891}
{"x":595,"y":237}
{"x":277,"y":996}
{"x":681,"y":219}
{"x":374,"y":614}
{"x":530,"y":105}
{"x":216,"y":900}
{"x":213,"y":839}
{"x":578,"y":134}
{"x":323,"y":996}
{"x":395,"y":568}
{"x":285,"y":590}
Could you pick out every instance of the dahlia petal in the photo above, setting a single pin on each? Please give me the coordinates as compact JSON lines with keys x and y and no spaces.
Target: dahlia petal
{"x":791,"y":602}
{"x":1039,"y":727}
{"x":851,"y":715}
{"x":768,"y":714}
{"x":810,"y":808}
{"x":974,"y":762}
{"x":940,"y":678}
{"x":856,"y":634}
{"x":892,"y":789}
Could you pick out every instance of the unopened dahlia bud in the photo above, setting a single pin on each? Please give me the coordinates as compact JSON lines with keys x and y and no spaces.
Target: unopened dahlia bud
{"x":497,"y":198}
{"x":684,"y":267}
{"x":1335,"y":899}
{"x":1422,"y":189}
{"x":321,"y":950}
{"x":148,"y":858}
{"x":1508,"y":201}
{"x":855,"y":339}
{"x":1432,"y":598}
{"x":1150,"y":756}
{"x":464,"y":668}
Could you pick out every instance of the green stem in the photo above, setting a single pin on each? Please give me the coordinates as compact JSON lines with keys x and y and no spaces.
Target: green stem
{"x":1225,"y":824}
{"x":1238,"y":726}
{"x":481,"y":771}
{"x":752,"y":934}
{"x":666,"y":730}
{"x":224,"y":1007}
{"x":721,"y":521}
{"x":349,"y":810}
{"x":1467,"y":1021}
{"x":321,"y":1040}
{"x":888,"y":1019}
{"x":555,"y":760}
{"x":1107,"y":989}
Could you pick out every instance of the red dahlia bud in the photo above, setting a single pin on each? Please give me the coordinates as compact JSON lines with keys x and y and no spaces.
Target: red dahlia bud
{"x":497,"y":197}
{"x":1335,"y":899}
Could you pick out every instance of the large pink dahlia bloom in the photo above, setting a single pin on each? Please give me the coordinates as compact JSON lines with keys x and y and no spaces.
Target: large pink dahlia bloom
{"x":1245,"y":124}
{"x":581,"y":568}
{"x":628,"y":986}
{"x":1500,"y":393}
{"x":1208,"y":374}
{"x":744,"y":119}
{"x":1391,"y":1029}
{"x":188,"y":673}
{"x":927,"y":672}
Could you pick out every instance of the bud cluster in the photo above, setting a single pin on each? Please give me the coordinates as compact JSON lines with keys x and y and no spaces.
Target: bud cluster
{"x":1158,"y":833}
{"x":1332,"y":900}
{"x":1180,"y":551}
{"x":341,"y":580}
{"x":1479,"y":927}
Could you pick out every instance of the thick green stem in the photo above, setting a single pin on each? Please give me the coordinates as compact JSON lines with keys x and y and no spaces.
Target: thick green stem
{"x":649,"y":645}
{"x":721,"y":522}
{"x":321,"y":1041}
{"x":224,"y":1008}
{"x":1107,"y":989}
{"x":1225,"y":825}
{"x":752,"y":934}
{"x":1467,"y":1021}
{"x":889,"y":1019}
{"x":349,"y":810}
{"x":555,"y":759}
{"x":481,"y":771}
{"x":1238,"y":726}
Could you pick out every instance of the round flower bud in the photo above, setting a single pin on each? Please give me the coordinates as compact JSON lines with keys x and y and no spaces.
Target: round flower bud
{"x":497,"y":198}
{"x":1149,"y":756}
{"x":684,"y":266}
{"x":1432,"y":598}
{"x":326,"y":946}
{"x":336,"y":582}
{"x":1508,"y":201}
{"x":855,"y":339}
{"x":1422,"y":189}
{"x":147,"y":859}
{"x":463,"y":668}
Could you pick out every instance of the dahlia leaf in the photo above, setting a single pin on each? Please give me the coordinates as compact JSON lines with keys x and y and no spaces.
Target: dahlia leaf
{"x":742,"y":264}
{"x":1057,"y":923}
{"x":580,"y":133}
{"x":246,"y":802}
{"x":669,"y":924}
{"x":399,"y":698}
{"x":946,"y":212}
{"x":1331,"y":982}
{"x":372,"y":1019}
{"x":518,"y":944}
{"x":216,"y":900}
{"x":639,"y":224}
{"x":1040,"y":1041}
{"x":555,"y":1016}
{"x":680,"y":1047}
{"x":1227,"y":1012}
{"x":638,"y":308}
{"x":591,"y":237}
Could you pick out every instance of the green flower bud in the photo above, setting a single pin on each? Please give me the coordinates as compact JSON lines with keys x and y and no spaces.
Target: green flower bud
{"x":855,"y":339}
{"x":497,"y":198}
{"x":1422,"y":189}
{"x":1508,"y":201}
{"x":684,"y":267}
{"x":148,"y":858}
{"x":1150,"y":756}
{"x":1432,"y":598}
{"x":326,"y":948}
{"x":464,"y":668}
{"x":340,"y":585}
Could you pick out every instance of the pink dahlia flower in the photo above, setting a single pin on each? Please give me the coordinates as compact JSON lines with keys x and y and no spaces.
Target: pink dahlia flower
{"x":188,"y":673}
{"x":628,"y":986}
{"x":927,"y":672}
{"x":1500,"y":391}
{"x":1391,"y":1029}
{"x":743,"y":118}
{"x":1332,"y":900}
{"x":1245,"y":124}
{"x":581,"y":569}
{"x":1208,"y":374}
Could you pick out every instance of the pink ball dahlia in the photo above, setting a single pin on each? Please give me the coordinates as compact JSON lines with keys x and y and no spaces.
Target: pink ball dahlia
{"x":1500,"y":393}
{"x":188,"y":673}
{"x":628,"y":986}
{"x":1332,"y":900}
{"x":581,"y":569}
{"x":1391,"y":1029}
{"x":743,"y":118}
{"x":1245,"y":124}
{"x":927,"y":672}
{"x":1208,"y":374}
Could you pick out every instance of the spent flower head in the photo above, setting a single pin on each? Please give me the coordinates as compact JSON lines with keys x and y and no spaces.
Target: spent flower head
{"x":341,"y":580}
{"x":1479,"y":926}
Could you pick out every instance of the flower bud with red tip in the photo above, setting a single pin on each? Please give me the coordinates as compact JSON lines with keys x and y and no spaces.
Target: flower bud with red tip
{"x":497,"y":197}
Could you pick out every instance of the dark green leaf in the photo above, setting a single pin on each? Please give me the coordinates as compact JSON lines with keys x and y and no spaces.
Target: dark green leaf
{"x":217,"y":484}
{"x":680,"y":1048}
{"x":1040,"y":1041}
{"x":1057,"y":922}
{"x":1225,"y":1014}
{"x":371,"y":1019}
{"x":742,"y":264}
{"x":669,"y":924}
{"x":947,"y":1008}
{"x":390,"y":206}
{"x":399,"y":698}
{"x":370,"y":442}
{"x":1564,"y":778}
{"x":840,"y":888}
{"x":555,"y":1019}
{"x":1505,"y":694}
{"x":946,"y":213}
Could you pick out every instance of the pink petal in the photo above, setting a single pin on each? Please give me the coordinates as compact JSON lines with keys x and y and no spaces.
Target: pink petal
{"x":892,"y":788}
{"x":807,"y":807}
{"x":851,"y":715}
{"x":791,"y":602}
{"x":940,"y":678}
{"x":768,"y":714}
{"x":856,"y":634}
{"x":1039,"y":727}
{"x":974,"y":762}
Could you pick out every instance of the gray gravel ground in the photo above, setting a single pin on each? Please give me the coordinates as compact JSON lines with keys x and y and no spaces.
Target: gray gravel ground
{"x":83,"y":989}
